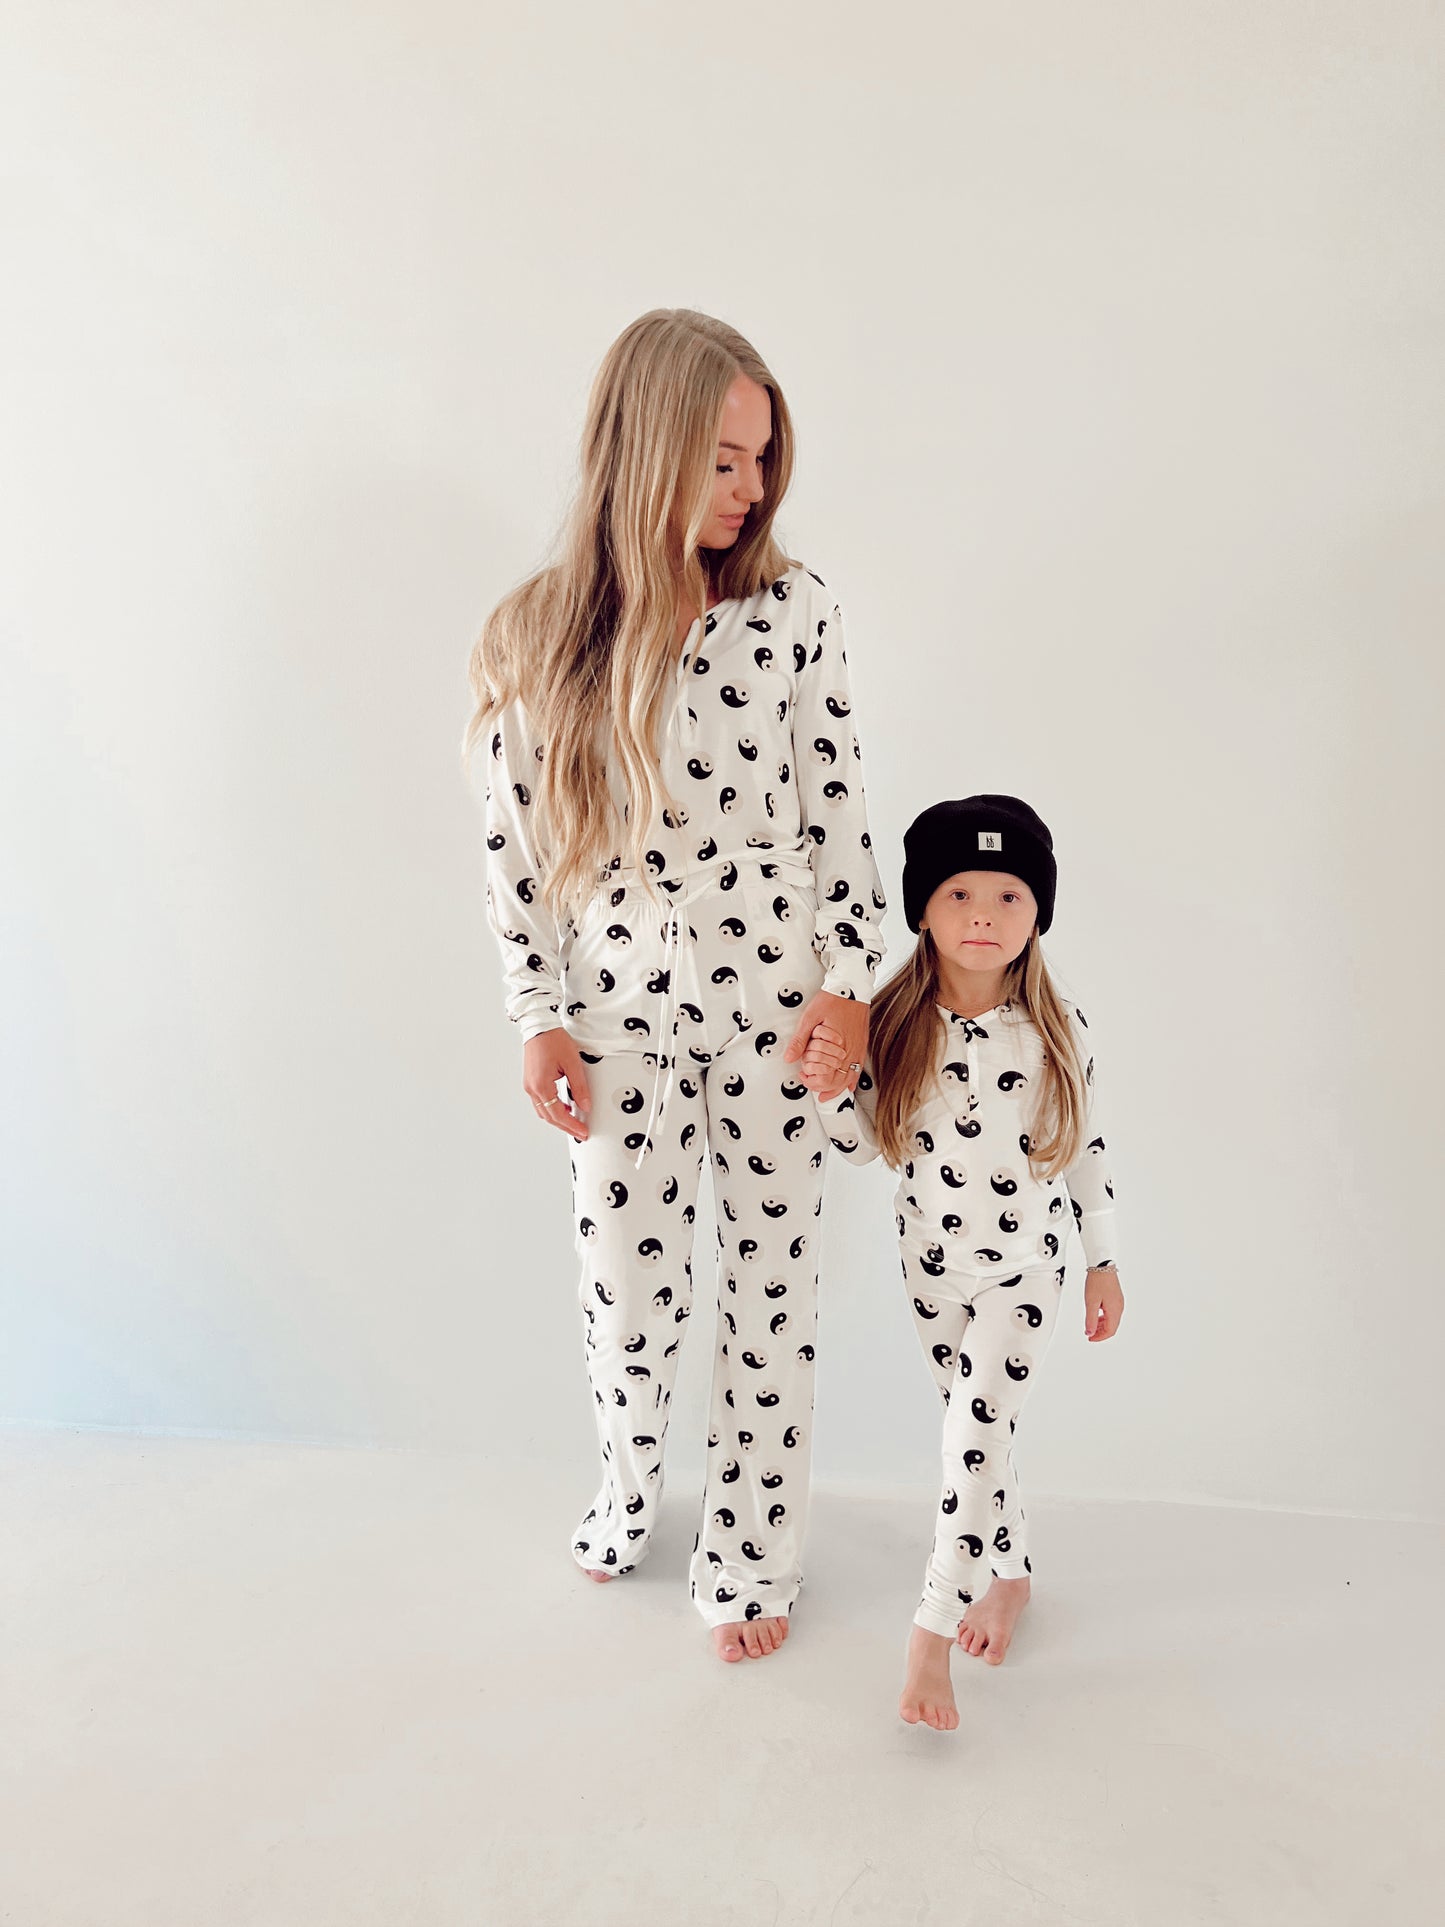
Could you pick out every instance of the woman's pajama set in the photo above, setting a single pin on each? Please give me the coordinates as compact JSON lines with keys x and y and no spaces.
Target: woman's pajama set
{"x":982,"y":1244}
{"x":682,"y":1013}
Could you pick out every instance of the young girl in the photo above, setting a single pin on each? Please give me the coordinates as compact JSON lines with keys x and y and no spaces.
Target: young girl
{"x":979,"y":1089}
{"x":682,"y":884}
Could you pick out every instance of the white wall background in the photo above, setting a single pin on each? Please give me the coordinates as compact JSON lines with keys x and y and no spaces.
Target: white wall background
{"x":1114,"y":339}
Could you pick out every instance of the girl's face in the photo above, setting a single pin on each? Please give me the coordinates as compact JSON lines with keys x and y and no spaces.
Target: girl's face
{"x":981,"y":919}
{"x":742,"y":454}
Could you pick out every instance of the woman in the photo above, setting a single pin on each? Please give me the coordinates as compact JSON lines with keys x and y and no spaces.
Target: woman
{"x":682,"y":883}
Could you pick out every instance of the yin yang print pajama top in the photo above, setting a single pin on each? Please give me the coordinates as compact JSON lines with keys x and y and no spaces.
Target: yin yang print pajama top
{"x":682,"y":1005}
{"x":982,"y":1243}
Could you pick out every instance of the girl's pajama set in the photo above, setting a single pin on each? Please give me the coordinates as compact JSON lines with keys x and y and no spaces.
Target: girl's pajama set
{"x":982,"y":1244}
{"x":682,"y":1011}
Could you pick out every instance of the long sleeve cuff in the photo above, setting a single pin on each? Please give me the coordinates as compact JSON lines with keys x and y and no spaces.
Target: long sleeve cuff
{"x":536,"y":1010}
{"x":1098,"y":1235}
{"x":849,"y":973}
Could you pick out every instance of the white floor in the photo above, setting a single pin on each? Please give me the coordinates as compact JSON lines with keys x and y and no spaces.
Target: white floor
{"x":284,"y":1686}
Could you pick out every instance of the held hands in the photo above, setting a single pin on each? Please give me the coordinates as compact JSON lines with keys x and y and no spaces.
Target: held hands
{"x":1103,"y":1303}
{"x":841,"y":1040}
{"x":545,"y":1058}
{"x":832,"y":1037}
{"x":825,"y":1062}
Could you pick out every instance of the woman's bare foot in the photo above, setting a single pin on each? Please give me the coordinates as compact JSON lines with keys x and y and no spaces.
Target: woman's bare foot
{"x":927,"y":1688}
{"x":749,"y":1638}
{"x":987,"y":1627}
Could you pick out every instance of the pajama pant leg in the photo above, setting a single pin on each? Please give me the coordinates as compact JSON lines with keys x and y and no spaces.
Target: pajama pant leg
{"x":768,"y":1146}
{"x":984,"y":1341}
{"x":634,"y":1233}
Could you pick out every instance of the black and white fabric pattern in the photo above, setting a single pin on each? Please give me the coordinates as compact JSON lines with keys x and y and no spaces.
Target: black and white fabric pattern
{"x":736,"y":1102}
{"x":983,"y":1351}
{"x":983,"y":1244}
{"x":966,"y":1202}
{"x":682,"y":1009}
{"x":761,"y":753}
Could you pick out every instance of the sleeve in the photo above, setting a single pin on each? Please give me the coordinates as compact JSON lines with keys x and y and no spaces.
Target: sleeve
{"x":848,"y":1120}
{"x":525,"y":928}
{"x":1090,"y":1177}
{"x":834,"y":812}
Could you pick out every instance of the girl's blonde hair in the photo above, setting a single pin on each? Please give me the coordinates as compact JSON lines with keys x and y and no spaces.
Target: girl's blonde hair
{"x":586,"y":643}
{"x":903,"y":1035}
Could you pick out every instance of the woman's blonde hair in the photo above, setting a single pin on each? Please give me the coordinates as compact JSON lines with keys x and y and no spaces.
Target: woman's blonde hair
{"x":904,"y":1029}
{"x":586,"y":643}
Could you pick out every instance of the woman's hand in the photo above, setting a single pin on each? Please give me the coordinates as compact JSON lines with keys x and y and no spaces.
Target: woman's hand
{"x":546,"y":1057}
{"x":846,"y":1021}
{"x":1103,"y":1303}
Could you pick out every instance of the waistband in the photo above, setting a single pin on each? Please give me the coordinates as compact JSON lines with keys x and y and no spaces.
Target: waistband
{"x":780,"y":862}
{"x":915,"y":1245}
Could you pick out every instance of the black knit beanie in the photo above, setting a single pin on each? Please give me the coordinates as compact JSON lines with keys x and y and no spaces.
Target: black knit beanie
{"x":977,"y":833}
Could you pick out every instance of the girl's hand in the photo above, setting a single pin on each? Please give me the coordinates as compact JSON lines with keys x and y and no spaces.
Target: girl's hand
{"x":846,"y":1021}
{"x":545,"y":1058}
{"x":1103,"y":1303}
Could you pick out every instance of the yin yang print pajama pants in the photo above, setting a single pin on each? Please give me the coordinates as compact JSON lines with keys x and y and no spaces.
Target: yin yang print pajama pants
{"x":733,"y":1099}
{"x":984,"y":1339}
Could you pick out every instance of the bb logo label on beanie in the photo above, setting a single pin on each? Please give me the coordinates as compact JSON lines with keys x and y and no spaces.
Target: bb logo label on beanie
{"x":990,"y":839}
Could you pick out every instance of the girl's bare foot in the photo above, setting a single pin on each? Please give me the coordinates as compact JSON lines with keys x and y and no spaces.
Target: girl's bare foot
{"x":750,"y":1638}
{"x":987,"y":1627}
{"x":927,"y":1688}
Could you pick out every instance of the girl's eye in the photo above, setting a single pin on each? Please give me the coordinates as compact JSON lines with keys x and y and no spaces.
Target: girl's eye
{"x":724,"y":468}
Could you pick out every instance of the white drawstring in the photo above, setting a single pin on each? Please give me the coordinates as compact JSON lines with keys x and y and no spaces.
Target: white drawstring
{"x":792,"y":866}
{"x":671,"y":961}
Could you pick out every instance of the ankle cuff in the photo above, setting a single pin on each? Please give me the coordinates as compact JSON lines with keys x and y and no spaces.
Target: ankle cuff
{"x":934,"y":1621}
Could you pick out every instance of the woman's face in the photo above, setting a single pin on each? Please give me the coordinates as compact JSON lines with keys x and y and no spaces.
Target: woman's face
{"x":981,"y":919}
{"x":742,"y":455}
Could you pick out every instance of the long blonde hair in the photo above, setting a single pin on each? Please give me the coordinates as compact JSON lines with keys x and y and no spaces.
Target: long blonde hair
{"x":904,"y":1028}
{"x":587,"y":643}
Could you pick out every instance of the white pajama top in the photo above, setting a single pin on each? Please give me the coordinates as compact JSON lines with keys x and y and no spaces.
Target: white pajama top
{"x":759,"y":750}
{"x":967,"y":1203}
